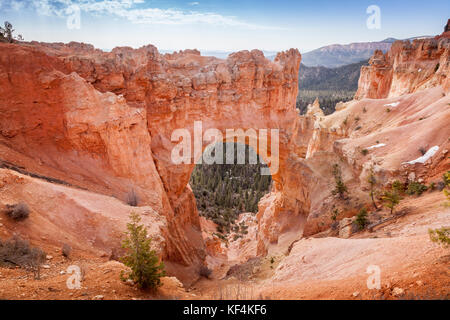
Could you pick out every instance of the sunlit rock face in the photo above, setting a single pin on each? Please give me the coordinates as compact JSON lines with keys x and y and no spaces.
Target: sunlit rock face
{"x":406,"y":68}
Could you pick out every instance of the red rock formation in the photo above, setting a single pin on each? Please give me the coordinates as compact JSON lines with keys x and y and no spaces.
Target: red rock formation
{"x":103,"y":121}
{"x":446,"y":31}
{"x":407,"y":68}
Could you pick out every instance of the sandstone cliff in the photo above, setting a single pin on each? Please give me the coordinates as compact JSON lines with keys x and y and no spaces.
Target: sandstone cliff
{"x":401,"y":107}
{"x":407,"y":68}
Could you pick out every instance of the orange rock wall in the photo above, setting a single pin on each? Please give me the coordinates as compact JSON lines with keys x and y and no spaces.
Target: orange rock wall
{"x":406,"y":68}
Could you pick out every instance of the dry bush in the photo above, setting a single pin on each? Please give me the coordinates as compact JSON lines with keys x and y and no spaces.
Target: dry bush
{"x":18,"y":211}
{"x":17,"y":252}
{"x":422,"y":150}
{"x":132,"y":199}
{"x":237,"y":291}
{"x":244,"y":271}
{"x":66,"y":250}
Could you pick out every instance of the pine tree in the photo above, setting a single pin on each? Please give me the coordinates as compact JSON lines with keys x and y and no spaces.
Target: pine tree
{"x":361,"y":219}
{"x":235,"y":187}
{"x":341,"y":188}
{"x":146,"y":270}
{"x":391,"y":199}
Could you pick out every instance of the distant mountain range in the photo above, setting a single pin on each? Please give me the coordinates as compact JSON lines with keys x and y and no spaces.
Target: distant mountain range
{"x":329,"y":85}
{"x":343,"y":78}
{"x":222,"y":54}
{"x":337,"y":55}
{"x":332,"y":56}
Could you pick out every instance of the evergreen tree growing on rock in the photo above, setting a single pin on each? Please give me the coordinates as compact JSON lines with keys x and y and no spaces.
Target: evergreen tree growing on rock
{"x":340,"y":188}
{"x":146,"y":269}
{"x":391,"y":199}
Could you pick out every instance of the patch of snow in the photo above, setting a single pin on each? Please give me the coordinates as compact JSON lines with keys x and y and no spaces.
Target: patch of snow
{"x":393,"y":104}
{"x":431,"y":152}
{"x":376,"y":146}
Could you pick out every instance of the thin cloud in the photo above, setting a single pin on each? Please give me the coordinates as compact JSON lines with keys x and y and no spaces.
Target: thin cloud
{"x":134,"y":11}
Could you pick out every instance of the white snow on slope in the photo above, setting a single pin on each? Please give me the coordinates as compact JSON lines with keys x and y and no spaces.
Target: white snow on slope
{"x":393,"y":104}
{"x":376,"y":146}
{"x":431,"y":152}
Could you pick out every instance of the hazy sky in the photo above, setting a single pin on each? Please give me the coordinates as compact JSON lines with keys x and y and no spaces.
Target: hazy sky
{"x":221,"y":25}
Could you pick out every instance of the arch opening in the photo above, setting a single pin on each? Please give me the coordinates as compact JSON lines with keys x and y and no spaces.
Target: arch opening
{"x":225,"y":190}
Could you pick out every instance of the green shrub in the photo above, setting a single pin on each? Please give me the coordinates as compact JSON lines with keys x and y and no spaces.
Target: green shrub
{"x":391,"y":199}
{"x":340,"y":188}
{"x":361,"y":219}
{"x":335,"y":214}
{"x":440,"y":236}
{"x":146,"y":270}
{"x":446,"y":179}
{"x":364,"y":152}
{"x":432,"y":186}
{"x":416,"y":188}
{"x":18,"y":211}
{"x":398,"y":186}
{"x":446,"y":189}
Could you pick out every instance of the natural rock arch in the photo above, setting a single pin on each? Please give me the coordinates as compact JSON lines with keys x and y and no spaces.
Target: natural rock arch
{"x":94,"y":115}
{"x":266,"y":100}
